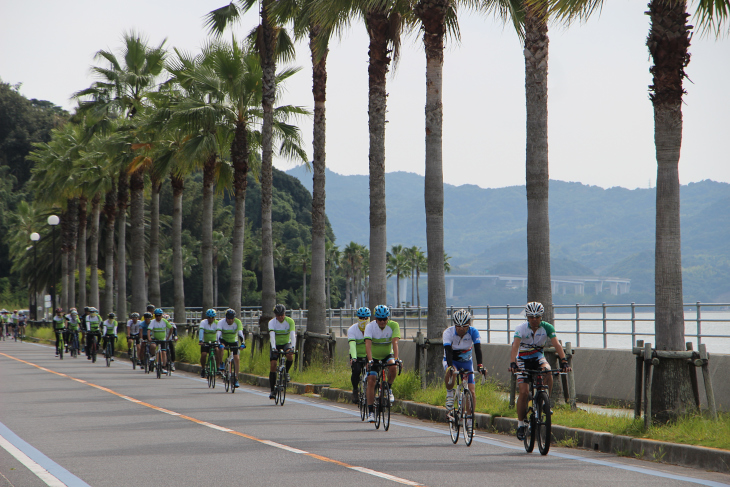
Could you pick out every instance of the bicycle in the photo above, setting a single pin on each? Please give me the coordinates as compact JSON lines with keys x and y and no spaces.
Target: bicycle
{"x":94,"y":346}
{"x":146,"y":361}
{"x":133,"y":353}
{"x":210,"y":368}
{"x":73,"y":344}
{"x":229,"y":375}
{"x":281,"y":377}
{"x":538,"y":416}
{"x":461,"y":416}
{"x":362,"y":398}
{"x":59,"y":343}
{"x":109,"y":351}
{"x":381,"y":400}
{"x":158,"y":358}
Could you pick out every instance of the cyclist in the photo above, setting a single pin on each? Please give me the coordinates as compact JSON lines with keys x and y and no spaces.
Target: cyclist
{"x":13,"y":322}
{"x":21,"y":324}
{"x":283,"y":338}
{"x":230,"y":329}
{"x":381,"y":347}
{"x":159,"y":330}
{"x":144,"y":333}
{"x":133,"y":329}
{"x":73,"y":322}
{"x":207,"y":333}
{"x":59,"y":327}
{"x":83,"y":327}
{"x":109,"y":331}
{"x":93,"y":328}
{"x":459,"y":340}
{"x":358,"y":357}
{"x":171,"y":342}
{"x":529,"y":339}
{"x":4,"y":322}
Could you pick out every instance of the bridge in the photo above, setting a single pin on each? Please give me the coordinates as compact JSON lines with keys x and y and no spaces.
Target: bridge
{"x":560,"y":284}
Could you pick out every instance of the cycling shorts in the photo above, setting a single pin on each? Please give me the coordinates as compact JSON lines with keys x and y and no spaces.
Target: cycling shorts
{"x":533,"y":364}
{"x":274,"y":355}
{"x":465,"y":365}
{"x":389,"y":360}
{"x":234,"y":346}
{"x":134,"y":337}
{"x":204,"y":348}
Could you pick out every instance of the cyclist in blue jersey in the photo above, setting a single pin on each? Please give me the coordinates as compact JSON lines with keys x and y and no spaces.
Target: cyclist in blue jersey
{"x":459,"y":341}
{"x":529,"y":340}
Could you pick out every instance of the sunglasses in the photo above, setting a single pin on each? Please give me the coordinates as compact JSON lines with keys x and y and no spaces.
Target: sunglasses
{"x":381,"y":319}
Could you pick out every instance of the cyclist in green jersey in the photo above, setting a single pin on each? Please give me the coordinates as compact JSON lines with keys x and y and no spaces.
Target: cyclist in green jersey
{"x":93,"y":328}
{"x":358,"y":356}
{"x":109,"y":332}
{"x":381,"y":346}
{"x":283,"y":338}
{"x":207,"y":333}
{"x":59,"y":325}
{"x":230,"y":329}
{"x":4,"y":322}
{"x":72,"y":326}
{"x":159,"y":329}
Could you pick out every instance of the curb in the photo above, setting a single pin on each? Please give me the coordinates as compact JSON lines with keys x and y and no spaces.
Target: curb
{"x":701,"y":457}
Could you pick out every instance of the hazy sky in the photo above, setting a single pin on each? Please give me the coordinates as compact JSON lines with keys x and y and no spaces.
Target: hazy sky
{"x":600,"y":117}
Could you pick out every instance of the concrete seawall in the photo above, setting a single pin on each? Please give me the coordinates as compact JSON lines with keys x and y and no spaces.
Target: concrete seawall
{"x":602,"y":376}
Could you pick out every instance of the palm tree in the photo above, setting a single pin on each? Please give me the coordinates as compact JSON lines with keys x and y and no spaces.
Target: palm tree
{"x":420,"y":264}
{"x":302,"y":259}
{"x":398,"y":265}
{"x":668,"y":43}
{"x":221,"y":255}
{"x":332,"y":253}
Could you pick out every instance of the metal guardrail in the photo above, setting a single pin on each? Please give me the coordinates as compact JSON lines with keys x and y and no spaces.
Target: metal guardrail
{"x":588,"y":325}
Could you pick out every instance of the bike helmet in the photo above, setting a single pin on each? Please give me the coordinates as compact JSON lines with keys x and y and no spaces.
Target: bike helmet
{"x":86,"y":309}
{"x":93,"y":310}
{"x":147,"y":315}
{"x":279,"y":309}
{"x":534,"y":309}
{"x":74,"y":312}
{"x":210,"y":313}
{"x":134,"y":315}
{"x":230,"y":313}
{"x":363,"y":312}
{"x":111,"y":316}
{"x":158,"y":311}
{"x":381,"y":312}
{"x":461,"y":317}
{"x":59,"y":310}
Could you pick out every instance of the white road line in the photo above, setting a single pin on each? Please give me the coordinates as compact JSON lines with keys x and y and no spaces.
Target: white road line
{"x":283,"y":447}
{"x":39,"y":471}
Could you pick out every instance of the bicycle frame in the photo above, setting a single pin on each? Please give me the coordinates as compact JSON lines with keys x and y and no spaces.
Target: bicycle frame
{"x":538,"y":414}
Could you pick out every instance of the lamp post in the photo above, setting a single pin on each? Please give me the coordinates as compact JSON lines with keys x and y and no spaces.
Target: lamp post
{"x":53,"y":220}
{"x":35,"y":237}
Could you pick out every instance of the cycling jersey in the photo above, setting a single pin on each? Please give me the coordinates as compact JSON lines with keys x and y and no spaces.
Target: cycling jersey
{"x":109,"y":328}
{"x":134,"y":327}
{"x":208,"y":330}
{"x":159,"y":329}
{"x":93,"y":323}
{"x":229,"y":333}
{"x":58,"y":322}
{"x":356,"y":339}
{"x":461,"y":346}
{"x":282,"y":333}
{"x":532,"y":343}
{"x":381,"y":340}
{"x":73,"y":323}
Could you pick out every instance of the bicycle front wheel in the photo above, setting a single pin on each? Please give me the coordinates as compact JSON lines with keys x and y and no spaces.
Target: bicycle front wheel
{"x":453,"y":417}
{"x":227,"y":375}
{"x":158,"y":363}
{"x":362,"y":400}
{"x":108,"y":353}
{"x":94,"y":348}
{"x":385,"y":408}
{"x":284,"y":384}
{"x":468,"y":415}
{"x":543,"y":423}
{"x":530,"y":431}
{"x":378,"y":405}
{"x":134,"y":356}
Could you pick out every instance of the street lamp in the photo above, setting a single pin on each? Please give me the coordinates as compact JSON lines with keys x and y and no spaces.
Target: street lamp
{"x":53,"y":220}
{"x":35,"y":237}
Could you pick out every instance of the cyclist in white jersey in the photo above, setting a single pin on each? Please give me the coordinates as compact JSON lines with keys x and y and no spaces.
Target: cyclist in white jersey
{"x":358,"y":355}
{"x":529,"y":339}
{"x":133,"y":328}
{"x":207,"y":334}
{"x":459,"y":340}
{"x":283,"y":339}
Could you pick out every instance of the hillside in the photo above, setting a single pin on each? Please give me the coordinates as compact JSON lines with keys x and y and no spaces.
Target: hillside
{"x":609,"y":231}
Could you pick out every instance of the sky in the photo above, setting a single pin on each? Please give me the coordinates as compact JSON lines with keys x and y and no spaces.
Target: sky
{"x":600,"y":117}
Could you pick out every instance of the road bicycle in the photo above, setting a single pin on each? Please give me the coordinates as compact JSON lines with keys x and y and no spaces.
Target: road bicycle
{"x":538,"y":418}
{"x":109,"y":350}
{"x":147,"y":357}
{"x":94,"y":347}
{"x":362,"y":398}
{"x":133,"y":351}
{"x":59,"y":342}
{"x":161,"y":368}
{"x":461,"y":416}
{"x":381,"y":401}
{"x":73,"y":344}
{"x":209,"y":368}
{"x":282,"y":378}
{"x":4,"y":329}
{"x":229,"y":371}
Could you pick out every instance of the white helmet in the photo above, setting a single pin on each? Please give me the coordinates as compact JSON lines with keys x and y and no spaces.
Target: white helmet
{"x":461,"y":317}
{"x":534,"y":309}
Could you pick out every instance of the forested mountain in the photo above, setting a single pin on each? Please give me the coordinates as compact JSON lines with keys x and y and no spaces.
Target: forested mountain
{"x":607,"y":231}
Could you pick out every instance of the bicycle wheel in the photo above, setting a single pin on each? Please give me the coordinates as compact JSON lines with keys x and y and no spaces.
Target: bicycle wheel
{"x":146,"y":359}
{"x":134,"y":356}
{"x":453,"y":417}
{"x":94,"y":347}
{"x":385,"y":408}
{"x":362,"y":400}
{"x":530,"y":431}
{"x":468,"y":405}
{"x":543,"y":423}
{"x":227,"y":375}
{"x":377,"y":403}
{"x":108,"y":353}
{"x":158,"y":362}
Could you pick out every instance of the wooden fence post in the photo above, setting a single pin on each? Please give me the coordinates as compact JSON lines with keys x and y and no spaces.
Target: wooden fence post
{"x":705,"y":358}
{"x":647,"y":384}
{"x":639,"y":380}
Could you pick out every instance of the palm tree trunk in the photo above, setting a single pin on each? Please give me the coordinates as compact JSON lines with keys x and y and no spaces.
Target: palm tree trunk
{"x":121,"y":272}
{"x":268,"y":67}
{"x":668,"y":43}
{"x":418,"y":291}
{"x":317,"y":303}
{"x":64,"y":260}
{"x":215,"y":283}
{"x":178,"y":185}
{"x":110,"y":209}
{"x":207,"y":229}
{"x":94,"y":251}
{"x":154,"y":279}
{"x":239,"y":158}
{"x":536,"y":161}
{"x":304,"y":287}
{"x":73,"y":216}
{"x":81,"y":251}
{"x":136,"y":186}
{"x":378,"y":28}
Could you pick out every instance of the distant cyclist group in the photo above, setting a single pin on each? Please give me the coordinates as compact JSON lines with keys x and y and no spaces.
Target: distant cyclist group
{"x":373,"y":350}
{"x":12,"y":324}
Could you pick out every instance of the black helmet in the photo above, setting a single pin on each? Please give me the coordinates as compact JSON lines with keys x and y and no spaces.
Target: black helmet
{"x":86,"y":309}
{"x":150,"y":307}
{"x":111,"y":315}
{"x":147,"y":315}
{"x":279,"y":309}
{"x":230,"y":313}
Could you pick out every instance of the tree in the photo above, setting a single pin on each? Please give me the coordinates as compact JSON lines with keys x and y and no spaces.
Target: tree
{"x":398,"y":265}
{"x":302,"y":259}
{"x":668,"y":43}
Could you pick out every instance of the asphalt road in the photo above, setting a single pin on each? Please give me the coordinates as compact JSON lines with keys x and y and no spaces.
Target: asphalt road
{"x":86,"y":424}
